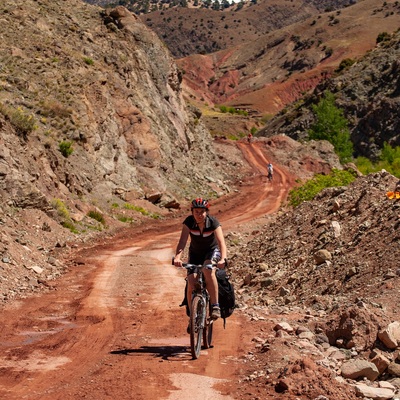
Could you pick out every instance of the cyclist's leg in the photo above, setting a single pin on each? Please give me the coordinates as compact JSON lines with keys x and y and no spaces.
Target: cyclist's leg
{"x":212,"y":288}
{"x":211,"y":283}
{"x":191,"y":279}
{"x":210,"y":277}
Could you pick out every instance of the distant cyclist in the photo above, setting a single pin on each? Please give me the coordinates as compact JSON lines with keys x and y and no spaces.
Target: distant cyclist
{"x":207,"y":245}
{"x":270,"y":171}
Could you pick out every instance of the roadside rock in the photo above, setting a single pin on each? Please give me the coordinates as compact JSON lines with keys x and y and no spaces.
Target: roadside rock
{"x":373,"y":392}
{"x":390,"y":336}
{"x":355,"y":369}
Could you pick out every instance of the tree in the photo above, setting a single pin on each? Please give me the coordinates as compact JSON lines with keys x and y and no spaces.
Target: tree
{"x":216,"y":5}
{"x":331,"y":125}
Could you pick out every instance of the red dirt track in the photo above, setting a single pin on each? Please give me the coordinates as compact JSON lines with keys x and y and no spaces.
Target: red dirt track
{"x":112,"y":328}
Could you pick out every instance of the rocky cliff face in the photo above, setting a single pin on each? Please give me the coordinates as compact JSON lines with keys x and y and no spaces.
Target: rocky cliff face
{"x":94,"y":134}
{"x":102,"y":85}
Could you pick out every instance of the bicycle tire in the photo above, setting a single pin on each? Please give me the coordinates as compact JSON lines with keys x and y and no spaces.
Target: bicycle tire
{"x":197,"y":318}
{"x":208,"y":330}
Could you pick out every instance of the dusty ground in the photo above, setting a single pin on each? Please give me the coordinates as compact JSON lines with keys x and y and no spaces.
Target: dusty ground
{"x":111,"y":326}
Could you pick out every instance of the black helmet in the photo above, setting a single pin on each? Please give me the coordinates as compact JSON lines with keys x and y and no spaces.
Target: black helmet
{"x":200,"y":203}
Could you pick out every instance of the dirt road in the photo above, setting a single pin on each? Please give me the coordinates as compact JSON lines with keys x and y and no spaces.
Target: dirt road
{"x":111,"y":327}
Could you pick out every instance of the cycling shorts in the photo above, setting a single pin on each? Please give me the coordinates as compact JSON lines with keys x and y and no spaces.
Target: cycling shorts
{"x":213,"y":255}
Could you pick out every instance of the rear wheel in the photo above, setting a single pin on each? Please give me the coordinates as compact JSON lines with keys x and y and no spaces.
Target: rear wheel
{"x":196,"y":325}
{"x":208,"y":330}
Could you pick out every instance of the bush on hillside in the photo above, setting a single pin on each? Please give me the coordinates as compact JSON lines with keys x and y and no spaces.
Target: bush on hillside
{"x":311,"y":188}
{"x":331,"y":125}
{"x":66,"y":148}
{"x":383,"y":37}
{"x":389,"y":160}
{"x":22,"y":122}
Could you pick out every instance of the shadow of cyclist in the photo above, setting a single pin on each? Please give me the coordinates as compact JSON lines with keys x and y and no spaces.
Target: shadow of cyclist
{"x":164,"y":352}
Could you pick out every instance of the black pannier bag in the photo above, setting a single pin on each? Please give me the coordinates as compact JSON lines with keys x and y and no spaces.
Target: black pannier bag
{"x":226,"y":294}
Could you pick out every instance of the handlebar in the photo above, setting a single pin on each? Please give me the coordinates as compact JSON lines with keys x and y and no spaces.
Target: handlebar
{"x":200,"y":266}
{"x":207,"y":266}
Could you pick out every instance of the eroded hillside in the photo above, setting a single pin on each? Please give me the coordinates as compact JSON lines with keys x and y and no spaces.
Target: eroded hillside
{"x":279,"y":67}
{"x":368,"y":92}
{"x":102,"y":88}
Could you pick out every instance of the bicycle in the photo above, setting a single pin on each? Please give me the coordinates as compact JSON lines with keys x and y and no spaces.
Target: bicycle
{"x":200,"y":323}
{"x":270,"y":172}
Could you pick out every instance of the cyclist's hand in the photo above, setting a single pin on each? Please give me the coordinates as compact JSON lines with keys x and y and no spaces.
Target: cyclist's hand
{"x":221,"y":264}
{"x":177,"y":262}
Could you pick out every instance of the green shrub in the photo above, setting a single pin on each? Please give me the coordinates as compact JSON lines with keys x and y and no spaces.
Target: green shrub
{"x":365,"y":165}
{"x":22,"y":122}
{"x":267,"y":117}
{"x":232,"y":110}
{"x":88,"y":60}
{"x":238,"y":136}
{"x":388,"y":160}
{"x":124,"y":218}
{"x":63,"y":212}
{"x":98,"y":216}
{"x":383,"y":37}
{"x":331,"y":125}
{"x":69,"y":225}
{"x":61,"y":208}
{"x":344,"y":64}
{"x":141,"y":210}
{"x":66,"y":148}
{"x":129,"y":206}
{"x":311,"y":188}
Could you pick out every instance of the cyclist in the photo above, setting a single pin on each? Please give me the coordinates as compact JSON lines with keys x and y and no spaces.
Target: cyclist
{"x":270,"y":171}
{"x":207,"y":245}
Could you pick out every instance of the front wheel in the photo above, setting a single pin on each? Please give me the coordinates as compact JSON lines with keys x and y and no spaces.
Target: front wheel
{"x":208,"y":330}
{"x":197,"y":321}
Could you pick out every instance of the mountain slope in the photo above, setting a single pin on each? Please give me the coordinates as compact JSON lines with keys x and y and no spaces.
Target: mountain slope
{"x":189,"y":31}
{"x":190,"y":27}
{"x":368,"y":92}
{"x":104,"y":86}
{"x":278,"y":68}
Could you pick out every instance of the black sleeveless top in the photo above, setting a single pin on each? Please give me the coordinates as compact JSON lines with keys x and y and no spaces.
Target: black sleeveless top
{"x":201,"y":243}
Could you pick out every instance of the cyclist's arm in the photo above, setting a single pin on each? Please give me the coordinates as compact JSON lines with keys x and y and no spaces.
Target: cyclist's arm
{"x":222,"y":246}
{"x":181,"y":246}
